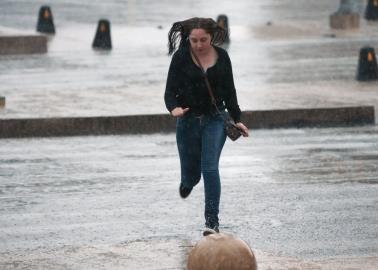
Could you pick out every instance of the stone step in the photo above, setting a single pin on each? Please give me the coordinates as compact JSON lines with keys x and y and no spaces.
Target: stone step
{"x":13,"y":41}
{"x":156,"y":123}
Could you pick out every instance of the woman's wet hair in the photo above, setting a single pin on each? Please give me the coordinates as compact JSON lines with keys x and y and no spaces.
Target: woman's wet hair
{"x":180,"y":31}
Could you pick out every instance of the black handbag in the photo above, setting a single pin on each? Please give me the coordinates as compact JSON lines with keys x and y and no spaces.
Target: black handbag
{"x":232,"y":130}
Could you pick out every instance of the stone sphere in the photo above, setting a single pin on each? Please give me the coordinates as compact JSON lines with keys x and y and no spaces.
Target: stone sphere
{"x":221,"y":251}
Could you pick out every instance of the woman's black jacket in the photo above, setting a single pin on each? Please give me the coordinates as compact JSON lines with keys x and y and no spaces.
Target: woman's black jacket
{"x":186,"y":86}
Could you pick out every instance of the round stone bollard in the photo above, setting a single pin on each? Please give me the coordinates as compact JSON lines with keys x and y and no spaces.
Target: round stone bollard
{"x":371,"y":11}
{"x":221,"y":251}
{"x":222,"y":21}
{"x":45,"y":21}
{"x":102,"y":38}
{"x":347,"y":16}
{"x":367,"y":65}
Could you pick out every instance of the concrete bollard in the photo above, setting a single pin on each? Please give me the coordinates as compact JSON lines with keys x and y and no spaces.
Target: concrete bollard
{"x":221,"y":251}
{"x":347,"y":16}
{"x":367,"y":65}
{"x":45,"y":21}
{"x":371,"y":11}
{"x":102,"y":39}
{"x":222,"y":21}
{"x":2,"y":102}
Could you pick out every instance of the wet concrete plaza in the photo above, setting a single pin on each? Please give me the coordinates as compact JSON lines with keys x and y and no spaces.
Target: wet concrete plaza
{"x":301,"y":198}
{"x":296,"y":61}
{"x":111,"y":202}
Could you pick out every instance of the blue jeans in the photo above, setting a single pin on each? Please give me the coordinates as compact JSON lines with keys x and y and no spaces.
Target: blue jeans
{"x":200,"y":140}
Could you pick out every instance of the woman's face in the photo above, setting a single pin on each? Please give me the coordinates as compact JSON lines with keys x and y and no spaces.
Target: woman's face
{"x":200,"y":41}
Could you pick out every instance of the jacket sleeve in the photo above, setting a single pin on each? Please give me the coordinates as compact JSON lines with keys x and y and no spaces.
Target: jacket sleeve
{"x":172,"y":85}
{"x":231,"y":99}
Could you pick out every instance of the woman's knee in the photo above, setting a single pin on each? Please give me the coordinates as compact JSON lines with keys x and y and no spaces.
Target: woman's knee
{"x":210,"y":165}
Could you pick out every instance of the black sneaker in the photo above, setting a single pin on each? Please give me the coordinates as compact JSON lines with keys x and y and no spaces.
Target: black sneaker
{"x":184,"y":191}
{"x":210,"y":230}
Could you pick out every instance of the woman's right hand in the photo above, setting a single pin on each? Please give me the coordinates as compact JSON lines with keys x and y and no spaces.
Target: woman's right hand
{"x":179,"y":112}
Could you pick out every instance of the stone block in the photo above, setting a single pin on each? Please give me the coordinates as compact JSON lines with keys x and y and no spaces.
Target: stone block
{"x":147,"y":124}
{"x":22,"y":44}
{"x":345,"y":21}
{"x":2,"y":102}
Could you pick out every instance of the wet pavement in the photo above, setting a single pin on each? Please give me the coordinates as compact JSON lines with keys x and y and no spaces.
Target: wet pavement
{"x":295,"y":196}
{"x":302,"y":199}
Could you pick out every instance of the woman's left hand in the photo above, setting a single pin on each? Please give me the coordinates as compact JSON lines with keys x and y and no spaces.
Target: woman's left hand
{"x":243,"y":129}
